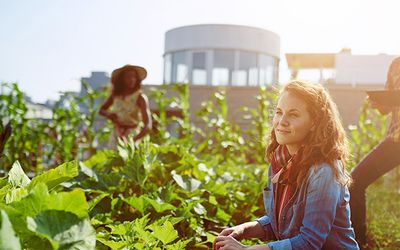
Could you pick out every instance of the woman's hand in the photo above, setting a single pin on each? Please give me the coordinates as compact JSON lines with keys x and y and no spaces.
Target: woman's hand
{"x":228,"y":238}
{"x":227,"y":243}
{"x":236,"y":231}
{"x":230,"y":243}
{"x":247,"y":230}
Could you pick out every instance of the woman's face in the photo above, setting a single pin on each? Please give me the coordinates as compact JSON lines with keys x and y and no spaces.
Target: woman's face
{"x":130,"y":79}
{"x":292,"y":121}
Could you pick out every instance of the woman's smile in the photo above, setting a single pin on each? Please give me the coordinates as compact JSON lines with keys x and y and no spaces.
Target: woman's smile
{"x":283,"y":131}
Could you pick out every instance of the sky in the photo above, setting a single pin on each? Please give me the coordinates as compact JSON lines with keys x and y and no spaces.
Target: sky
{"x":48,"y":45}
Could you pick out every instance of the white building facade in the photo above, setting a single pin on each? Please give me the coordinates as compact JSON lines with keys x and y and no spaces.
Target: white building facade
{"x":362,"y":69}
{"x":221,"y":55}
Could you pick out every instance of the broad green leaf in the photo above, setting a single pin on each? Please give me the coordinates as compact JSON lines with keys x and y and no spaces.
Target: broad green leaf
{"x":36,"y":242}
{"x":139,"y":245}
{"x":143,"y":234}
{"x":186,"y":182}
{"x":34,"y":202}
{"x":126,"y":150}
{"x":8,"y":239}
{"x":87,"y":171}
{"x":123,"y":152}
{"x":64,"y":230}
{"x":74,"y":202}
{"x":174,"y":220}
{"x":3,"y":182}
{"x":17,"y":176}
{"x":120,"y":229}
{"x":139,"y":203}
{"x":18,"y":220}
{"x":213,"y":200}
{"x":159,"y":205}
{"x":135,"y":170}
{"x":180,"y":245}
{"x":217,"y":188}
{"x":16,"y":194}
{"x":4,"y":190}
{"x":141,"y":222}
{"x":223,"y":216}
{"x":55,"y":176}
{"x":113,"y":244}
{"x":135,"y":229}
{"x":166,"y":233}
{"x":210,"y":237}
{"x":109,"y":180}
{"x":94,"y":201}
{"x":39,"y":200}
{"x":199,"y":209}
{"x":99,"y":157}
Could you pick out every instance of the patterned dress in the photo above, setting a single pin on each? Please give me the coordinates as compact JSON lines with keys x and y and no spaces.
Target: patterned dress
{"x":127,"y":110}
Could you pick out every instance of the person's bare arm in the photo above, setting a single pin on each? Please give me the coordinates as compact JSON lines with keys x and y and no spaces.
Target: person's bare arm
{"x":103,"y":109}
{"x":384,"y":110}
{"x":143,"y":104}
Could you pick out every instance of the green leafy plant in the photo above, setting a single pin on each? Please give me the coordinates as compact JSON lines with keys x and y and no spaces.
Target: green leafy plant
{"x":175,"y":189}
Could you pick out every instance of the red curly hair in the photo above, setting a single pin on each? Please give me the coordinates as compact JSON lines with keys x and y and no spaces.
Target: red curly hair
{"x":328,"y":142}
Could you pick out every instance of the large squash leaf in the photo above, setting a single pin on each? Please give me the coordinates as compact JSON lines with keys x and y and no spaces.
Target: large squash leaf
{"x":53,"y":177}
{"x":63,"y":229}
{"x":8,"y":239}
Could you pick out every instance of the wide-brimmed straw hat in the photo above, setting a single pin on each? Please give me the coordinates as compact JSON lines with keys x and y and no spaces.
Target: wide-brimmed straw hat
{"x":140,"y":71}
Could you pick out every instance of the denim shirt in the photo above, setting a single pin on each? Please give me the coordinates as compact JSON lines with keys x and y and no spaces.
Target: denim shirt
{"x":316,"y":217}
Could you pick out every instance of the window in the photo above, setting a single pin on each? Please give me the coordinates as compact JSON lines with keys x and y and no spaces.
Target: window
{"x":247,"y":71}
{"x":167,"y":68}
{"x":179,"y":67}
{"x":223,"y":67}
{"x":253,"y":76}
{"x":199,"y":73}
{"x":220,"y":76}
{"x":267,"y":70}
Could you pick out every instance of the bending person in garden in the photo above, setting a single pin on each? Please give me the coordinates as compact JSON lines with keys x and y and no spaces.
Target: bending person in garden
{"x":307,"y":198}
{"x":130,"y":105}
{"x":383,"y":158}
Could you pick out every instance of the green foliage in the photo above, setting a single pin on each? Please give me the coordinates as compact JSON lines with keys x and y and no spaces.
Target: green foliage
{"x":383,"y":217}
{"x":139,"y":234}
{"x":64,"y":230}
{"x":56,"y":176}
{"x":8,"y":239}
{"x":175,"y":189}
{"x":40,"y":144}
{"x":56,"y":220}
{"x":371,"y":128}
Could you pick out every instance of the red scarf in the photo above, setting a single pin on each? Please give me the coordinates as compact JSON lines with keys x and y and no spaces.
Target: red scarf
{"x":284,"y":176}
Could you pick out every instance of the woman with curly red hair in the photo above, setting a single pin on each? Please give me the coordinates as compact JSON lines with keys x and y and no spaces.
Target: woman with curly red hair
{"x":307,"y":198}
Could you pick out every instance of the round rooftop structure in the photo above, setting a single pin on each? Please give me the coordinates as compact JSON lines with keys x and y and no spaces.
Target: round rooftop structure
{"x":216,"y":54}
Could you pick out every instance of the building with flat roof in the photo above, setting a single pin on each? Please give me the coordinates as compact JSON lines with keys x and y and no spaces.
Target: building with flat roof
{"x":346,"y":76}
{"x":221,"y":55}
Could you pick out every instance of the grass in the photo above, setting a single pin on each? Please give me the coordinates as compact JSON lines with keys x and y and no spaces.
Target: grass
{"x":383,"y":212}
